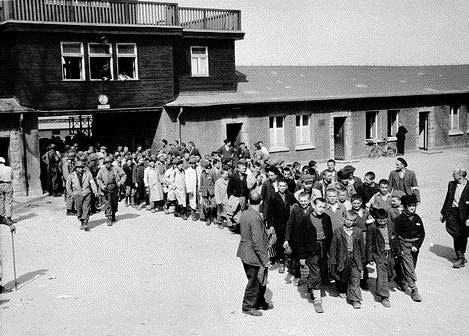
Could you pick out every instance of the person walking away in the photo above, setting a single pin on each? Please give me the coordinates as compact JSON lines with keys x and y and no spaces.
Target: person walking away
{"x":252,"y":251}
{"x":80,"y":186}
{"x":455,"y":212}
{"x":400,"y":135}
{"x":6,"y":193}
{"x":109,"y":179}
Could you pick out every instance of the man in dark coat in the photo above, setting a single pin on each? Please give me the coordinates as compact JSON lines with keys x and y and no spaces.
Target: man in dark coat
{"x":404,"y":179}
{"x":455,"y":212}
{"x":400,"y":135}
{"x":269,"y":187}
{"x":52,"y":160}
{"x":252,"y":251}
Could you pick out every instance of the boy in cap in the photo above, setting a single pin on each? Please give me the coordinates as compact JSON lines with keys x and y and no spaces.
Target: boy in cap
{"x":307,"y":182}
{"x":411,"y":233}
{"x":347,"y":256}
{"x":382,"y":248}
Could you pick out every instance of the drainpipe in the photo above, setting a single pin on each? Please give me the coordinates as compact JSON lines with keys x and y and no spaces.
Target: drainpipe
{"x":181,"y":109}
{"x":25,"y":161}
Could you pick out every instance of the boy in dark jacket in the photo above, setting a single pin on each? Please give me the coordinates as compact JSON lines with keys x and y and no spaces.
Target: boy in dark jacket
{"x":347,"y":256}
{"x":301,"y":238}
{"x":409,"y":229}
{"x":280,"y":204}
{"x":382,"y":248}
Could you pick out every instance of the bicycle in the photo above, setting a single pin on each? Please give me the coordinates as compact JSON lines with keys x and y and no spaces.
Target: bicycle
{"x":381,"y":147}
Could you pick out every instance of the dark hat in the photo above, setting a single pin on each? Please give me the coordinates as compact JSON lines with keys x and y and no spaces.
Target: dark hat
{"x":401,"y":159}
{"x":312,"y":163}
{"x":349,"y":169}
{"x":272,"y":169}
{"x":342,"y":175}
{"x":79,"y":164}
{"x":397,"y":193}
{"x":108,"y":159}
{"x":409,"y":199}
{"x":226,"y":141}
{"x":380,"y":213}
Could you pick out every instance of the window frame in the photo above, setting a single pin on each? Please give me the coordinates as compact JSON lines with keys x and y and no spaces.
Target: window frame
{"x":111,"y":57}
{"x":82,"y":55}
{"x":303,"y":130}
{"x":393,"y":130}
{"x":369,"y":128}
{"x":206,"y":57}
{"x":276,"y":131}
{"x":135,"y":56}
{"x":452,"y":123}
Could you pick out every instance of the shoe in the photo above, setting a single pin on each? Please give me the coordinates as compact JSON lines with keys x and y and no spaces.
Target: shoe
{"x":69,"y":213}
{"x":82,"y":226}
{"x":402,"y":286}
{"x":113,"y":218}
{"x":153,"y":210}
{"x":109,"y":221}
{"x":208,"y":222}
{"x":267,"y":306}
{"x":385,"y":302}
{"x":252,"y":312}
{"x":459,"y":263}
{"x":8,"y":221}
{"x":356,"y":305}
{"x":85,"y":225}
{"x":343,"y":295}
{"x":415,"y":295}
{"x":318,"y":306}
{"x":281,"y":268}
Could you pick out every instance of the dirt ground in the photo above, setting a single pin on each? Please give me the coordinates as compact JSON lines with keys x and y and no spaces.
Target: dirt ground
{"x":152,"y":274}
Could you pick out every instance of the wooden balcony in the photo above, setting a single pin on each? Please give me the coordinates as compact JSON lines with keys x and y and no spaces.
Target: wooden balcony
{"x":119,"y":12}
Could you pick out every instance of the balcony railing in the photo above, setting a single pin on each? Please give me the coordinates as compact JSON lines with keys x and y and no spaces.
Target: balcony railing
{"x":121,"y":12}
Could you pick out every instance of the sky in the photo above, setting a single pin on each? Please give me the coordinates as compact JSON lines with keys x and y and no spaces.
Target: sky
{"x":349,"y":32}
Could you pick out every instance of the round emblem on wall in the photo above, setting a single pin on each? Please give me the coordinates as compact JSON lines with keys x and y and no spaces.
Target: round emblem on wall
{"x":103,"y":99}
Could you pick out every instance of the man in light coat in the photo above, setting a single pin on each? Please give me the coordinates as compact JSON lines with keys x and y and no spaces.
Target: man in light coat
{"x":152,"y":182}
{"x":191,"y":187}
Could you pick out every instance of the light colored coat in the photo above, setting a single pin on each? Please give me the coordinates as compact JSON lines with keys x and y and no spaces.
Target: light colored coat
{"x":179,"y":187}
{"x":87,"y":186}
{"x":191,"y":186}
{"x":151,"y":180}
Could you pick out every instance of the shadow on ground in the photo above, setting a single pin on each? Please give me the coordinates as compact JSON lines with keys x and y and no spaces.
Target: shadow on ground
{"x":25,"y":217}
{"x":443,"y":252}
{"x":25,"y":279}
{"x":95,"y":223}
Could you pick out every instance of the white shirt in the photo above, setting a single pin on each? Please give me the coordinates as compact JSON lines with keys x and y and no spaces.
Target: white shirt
{"x":6,"y":173}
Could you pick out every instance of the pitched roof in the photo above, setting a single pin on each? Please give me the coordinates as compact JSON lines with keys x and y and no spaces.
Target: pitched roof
{"x":11,"y":105}
{"x":268,"y":84}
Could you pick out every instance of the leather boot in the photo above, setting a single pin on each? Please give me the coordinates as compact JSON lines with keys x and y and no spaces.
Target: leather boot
{"x":460,"y":262}
{"x":86,"y":227}
{"x":82,"y":226}
{"x":109,"y":221}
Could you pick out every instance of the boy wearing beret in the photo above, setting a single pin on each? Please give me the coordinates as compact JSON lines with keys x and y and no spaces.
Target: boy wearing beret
{"x":382,"y":248}
{"x":410,"y":231}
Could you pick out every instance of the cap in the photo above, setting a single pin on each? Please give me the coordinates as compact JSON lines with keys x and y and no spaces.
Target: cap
{"x":397,"y":193}
{"x":349,"y":168}
{"x":272,"y":169}
{"x":79,"y":164}
{"x":409,"y":199}
{"x":401,"y":159}
{"x":380,"y":213}
{"x":308,"y":178}
{"x":108,"y":159}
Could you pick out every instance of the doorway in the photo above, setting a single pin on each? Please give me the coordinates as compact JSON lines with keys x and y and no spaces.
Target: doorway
{"x":4,"y":149}
{"x":339,"y":138}
{"x":423,"y":130}
{"x":233,"y":133}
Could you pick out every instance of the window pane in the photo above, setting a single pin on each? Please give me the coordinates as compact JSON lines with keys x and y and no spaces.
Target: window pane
{"x":71,"y":48}
{"x":203,"y":66}
{"x":126,"y":66}
{"x":279,"y":137}
{"x":100,"y":49}
{"x":279,"y":121}
{"x":199,"y":51}
{"x":126,"y":49}
{"x":305,"y":135}
{"x":271,"y":122}
{"x":305,"y":120}
{"x":195,"y":66}
{"x":298,"y":136}
{"x":298,"y":121}
{"x":100,"y":68}
{"x":72,"y":67}
{"x":272,"y":137}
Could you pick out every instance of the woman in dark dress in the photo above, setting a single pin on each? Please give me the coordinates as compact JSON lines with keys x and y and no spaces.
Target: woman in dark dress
{"x":400,"y":135}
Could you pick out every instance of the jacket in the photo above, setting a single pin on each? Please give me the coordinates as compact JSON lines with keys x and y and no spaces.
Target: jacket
{"x":463,"y":205}
{"x":115,"y":175}
{"x":221,"y":197}
{"x":375,"y":243}
{"x":236,"y":187}
{"x":338,"y":252}
{"x":410,"y":185}
{"x":207,"y":183}
{"x":86,"y":187}
{"x":410,"y":227}
{"x":280,"y":211}
{"x":267,"y":191}
{"x":301,"y":233}
{"x":253,"y":245}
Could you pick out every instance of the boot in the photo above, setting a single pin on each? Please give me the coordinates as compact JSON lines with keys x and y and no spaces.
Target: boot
{"x":460,"y":262}
{"x":415,"y":295}
{"x":317,"y":301}
{"x":109,"y":221}
{"x":82,"y":226}
{"x":184,"y":213}
{"x":126,"y":202}
{"x":281,"y":266}
{"x":85,"y":225}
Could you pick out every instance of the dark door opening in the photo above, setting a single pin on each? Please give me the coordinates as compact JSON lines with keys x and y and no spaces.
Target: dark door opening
{"x":233,"y":133}
{"x":4,"y":149}
{"x":339,"y":138}
{"x":423,"y":130}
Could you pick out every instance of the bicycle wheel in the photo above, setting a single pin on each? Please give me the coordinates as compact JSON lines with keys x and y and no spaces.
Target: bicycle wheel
{"x":374,"y":152}
{"x":392,"y":150}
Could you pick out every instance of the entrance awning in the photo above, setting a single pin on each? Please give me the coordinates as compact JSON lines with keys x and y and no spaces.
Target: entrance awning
{"x":11,"y":105}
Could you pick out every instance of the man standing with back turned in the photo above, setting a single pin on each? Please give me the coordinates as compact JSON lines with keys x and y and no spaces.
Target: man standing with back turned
{"x":252,"y":251}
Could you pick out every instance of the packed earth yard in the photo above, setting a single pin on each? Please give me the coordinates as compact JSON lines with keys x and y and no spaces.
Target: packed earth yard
{"x":152,"y":274}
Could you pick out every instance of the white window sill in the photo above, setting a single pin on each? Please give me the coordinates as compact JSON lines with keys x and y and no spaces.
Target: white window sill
{"x":304,"y":147}
{"x":278,"y":149}
{"x":200,"y":76}
{"x":455,"y":132}
{"x":392,"y":138}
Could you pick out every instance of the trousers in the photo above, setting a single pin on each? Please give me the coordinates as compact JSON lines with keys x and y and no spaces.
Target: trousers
{"x":254,"y":292}
{"x":110,"y":200}
{"x":83,"y":206}
{"x":406,"y":267}
{"x":384,"y":274}
{"x":349,"y":280}
{"x":6,"y":200}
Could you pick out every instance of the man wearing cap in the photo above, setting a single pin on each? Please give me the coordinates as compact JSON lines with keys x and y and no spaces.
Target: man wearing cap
{"x":6,"y":193}
{"x":80,"y":186}
{"x":404,"y":179}
{"x":252,"y":251}
{"x":455,"y":212}
{"x":109,"y":179}
{"x":67,"y":169}
{"x":52,"y":160}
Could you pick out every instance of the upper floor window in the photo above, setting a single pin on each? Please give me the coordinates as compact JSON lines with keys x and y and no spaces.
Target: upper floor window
{"x":277,"y":131}
{"x":100,"y":59}
{"x":303,"y":129}
{"x":199,"y":61}
{"x":372,"y":124}
{"x":393,"y":122}
{"x":72,"y":61}
{"x":454,"y":118}
{"x":127,"y":67}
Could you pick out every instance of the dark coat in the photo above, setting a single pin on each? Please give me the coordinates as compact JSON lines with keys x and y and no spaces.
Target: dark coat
{"x":327,"y":229}
{"x":253,"y":245}
{"x":267,"y":191}
{"x":410,"y":186}
{"x":338,"y":252}
{"x":207,"y":183}
{"x":237,"y":187}
{"x":280,"y":210}
{"x":463,"y":205}
{"x":375,"y":243}
{"x":410,"y":226}
{"x":301,"y":233}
